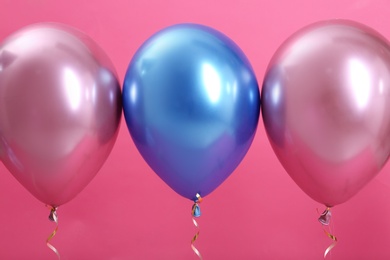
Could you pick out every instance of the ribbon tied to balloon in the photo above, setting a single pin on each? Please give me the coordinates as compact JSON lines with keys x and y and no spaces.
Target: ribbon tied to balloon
{"x":326,"y":109}
{"x":191,"y":103}
{"x":60,"y":109}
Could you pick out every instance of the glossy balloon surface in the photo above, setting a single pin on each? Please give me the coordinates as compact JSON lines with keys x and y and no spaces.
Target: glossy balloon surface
{"x":191,"y":103}
{"x":326,"y":108}
{"x":60,"y":107}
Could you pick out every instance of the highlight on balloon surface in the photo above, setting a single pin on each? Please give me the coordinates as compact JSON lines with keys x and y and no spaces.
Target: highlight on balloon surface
{"x":326,"y":109}
{"x":60,"y":108}
{"x":191,"y":103}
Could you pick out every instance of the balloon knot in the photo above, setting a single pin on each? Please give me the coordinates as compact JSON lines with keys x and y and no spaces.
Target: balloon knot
{"x":53,"y":213}
{"x":195,"y":208}
{"x":325,"y":217}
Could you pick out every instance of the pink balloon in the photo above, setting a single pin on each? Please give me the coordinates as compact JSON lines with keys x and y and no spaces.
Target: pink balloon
{"x":326,"y":108}
{"x":60,"y":109}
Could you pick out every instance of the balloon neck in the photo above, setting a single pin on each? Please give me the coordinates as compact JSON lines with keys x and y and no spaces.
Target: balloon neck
{"x":53,"y":213}
{"x":325,"y":216}
{"x":195,"y":208}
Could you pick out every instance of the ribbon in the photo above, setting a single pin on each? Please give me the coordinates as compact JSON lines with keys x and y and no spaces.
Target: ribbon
{"x":325,"y":219}
{"x":195,"y":212}
{"x":54,"y":218}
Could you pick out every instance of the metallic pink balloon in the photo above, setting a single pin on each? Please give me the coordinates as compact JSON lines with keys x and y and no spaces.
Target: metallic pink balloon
{"x":326,"y":108}
{"x":60,"y":109}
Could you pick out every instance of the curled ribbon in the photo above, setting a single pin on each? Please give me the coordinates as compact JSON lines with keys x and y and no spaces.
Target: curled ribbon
{"x":195,"y":212}
{"x":325,"y":219}
{"x":54,"y":218}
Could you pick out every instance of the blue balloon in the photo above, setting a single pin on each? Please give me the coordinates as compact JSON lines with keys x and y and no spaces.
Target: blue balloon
{"x":191,"y":103}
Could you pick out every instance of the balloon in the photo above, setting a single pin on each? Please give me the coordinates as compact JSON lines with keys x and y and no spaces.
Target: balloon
{"x":60,"y":108}
{"x":191,"y":103}
{"x":326,"y":108}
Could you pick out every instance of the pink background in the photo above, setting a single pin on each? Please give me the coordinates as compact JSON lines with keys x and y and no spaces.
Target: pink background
{"x":127,"y":212}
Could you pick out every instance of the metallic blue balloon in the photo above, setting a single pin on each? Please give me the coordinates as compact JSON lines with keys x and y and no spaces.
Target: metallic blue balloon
{"x":191,"y":103}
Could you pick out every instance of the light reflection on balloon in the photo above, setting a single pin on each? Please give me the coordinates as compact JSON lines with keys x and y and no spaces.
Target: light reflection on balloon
{"x":360,"y":82}
{"x":73,"y":88}
{"x":211,"y":82}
